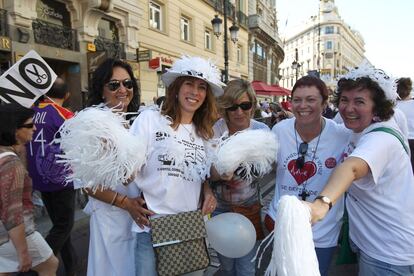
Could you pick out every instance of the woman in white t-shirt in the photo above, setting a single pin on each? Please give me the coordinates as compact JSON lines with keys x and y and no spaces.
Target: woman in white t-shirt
{"x":310,"y":148}
{"x":174,"y":175}
{"x":111,"y":243}
{"x":238,"y":195}
{"x":377,"y":174}
{"x":406,"y":105}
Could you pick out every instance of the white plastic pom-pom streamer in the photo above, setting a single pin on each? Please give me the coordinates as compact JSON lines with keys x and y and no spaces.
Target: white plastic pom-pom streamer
{"x":99,"y":149}
{"x":293,"y":248}
{"x":253,"y":150}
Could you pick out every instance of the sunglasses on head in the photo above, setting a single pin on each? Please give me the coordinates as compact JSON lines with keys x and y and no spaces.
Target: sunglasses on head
{"x":244,"y":106}
{"x":114,"y":85}
{"x":29,"y":125}
{"x":303,"y":149}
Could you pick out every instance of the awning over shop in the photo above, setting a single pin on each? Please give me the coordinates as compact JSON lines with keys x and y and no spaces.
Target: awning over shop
{"x":264,"y":89}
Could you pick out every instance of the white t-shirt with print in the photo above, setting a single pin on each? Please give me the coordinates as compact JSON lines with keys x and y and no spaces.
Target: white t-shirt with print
{"x":290,"y":180}
{"x":172,"y":177}
{"x":381,"y":205}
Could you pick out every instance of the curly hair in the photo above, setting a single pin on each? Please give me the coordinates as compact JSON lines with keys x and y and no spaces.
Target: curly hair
{"x":404,"y":87}
{"x":12,"y":117}
{"x":103,"y":74}
{"x":203,"y":119}
{"x":383,"y":108}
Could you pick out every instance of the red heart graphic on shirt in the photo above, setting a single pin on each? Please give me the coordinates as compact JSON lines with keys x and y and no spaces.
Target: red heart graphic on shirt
{"x":301,"y":175}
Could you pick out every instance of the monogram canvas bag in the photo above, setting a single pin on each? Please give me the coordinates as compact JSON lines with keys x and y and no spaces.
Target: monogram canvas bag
{"x":179,"y":243}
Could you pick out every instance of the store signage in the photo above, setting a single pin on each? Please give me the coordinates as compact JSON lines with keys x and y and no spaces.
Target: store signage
{"x":91,"y":47}
{"x":155,"y":63}
{"x":26,"y":80}
{"x":144,"y":55}
{"x":5,"y":43}
{"x":166,"y":60}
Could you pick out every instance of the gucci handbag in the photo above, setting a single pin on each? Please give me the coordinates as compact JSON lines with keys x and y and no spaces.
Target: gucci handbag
{"x":179,"y":243}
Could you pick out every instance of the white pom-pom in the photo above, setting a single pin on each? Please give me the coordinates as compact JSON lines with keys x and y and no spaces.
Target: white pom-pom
{"x":253,"y":150}
{"x":99,"y":149}
{"x":293,"y":248}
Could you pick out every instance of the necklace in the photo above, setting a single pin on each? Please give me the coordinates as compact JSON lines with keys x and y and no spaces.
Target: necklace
{"x":190,"y":133}
{"x":304,"y":193}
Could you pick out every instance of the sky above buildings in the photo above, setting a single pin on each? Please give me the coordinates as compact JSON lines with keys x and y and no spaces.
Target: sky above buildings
{"x":386,"y":26}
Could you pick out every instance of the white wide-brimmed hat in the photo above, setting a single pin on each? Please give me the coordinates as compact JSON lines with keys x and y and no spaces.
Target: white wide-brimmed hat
{"x":196,"y":67}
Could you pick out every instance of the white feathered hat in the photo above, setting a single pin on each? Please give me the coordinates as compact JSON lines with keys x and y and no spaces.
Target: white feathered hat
{"x":196,"y":67}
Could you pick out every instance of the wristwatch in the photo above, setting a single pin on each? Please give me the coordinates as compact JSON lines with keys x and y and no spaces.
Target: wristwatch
{"x":325,"y":199}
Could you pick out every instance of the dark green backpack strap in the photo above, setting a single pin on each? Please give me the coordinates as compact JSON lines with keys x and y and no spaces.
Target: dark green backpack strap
{"x":395,"y":133}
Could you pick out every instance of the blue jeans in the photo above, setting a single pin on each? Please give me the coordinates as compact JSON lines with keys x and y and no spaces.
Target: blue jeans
{"x":239,"y":266}
{"x":369,"y":266}
{"x":324,"y":256}
{"x":145,"y":257}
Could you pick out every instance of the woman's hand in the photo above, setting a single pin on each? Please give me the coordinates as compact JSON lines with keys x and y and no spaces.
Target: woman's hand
{"x":210,"y":201}
{"x":137,"y":209}
{"x":25,"y":261}
{"x":318,"y":210}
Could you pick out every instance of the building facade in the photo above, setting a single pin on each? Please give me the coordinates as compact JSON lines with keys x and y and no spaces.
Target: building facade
{"x":266,"y":50}
{"x":169,"y":29}
{"x":325,"y":46}
{"x":71,"y":35}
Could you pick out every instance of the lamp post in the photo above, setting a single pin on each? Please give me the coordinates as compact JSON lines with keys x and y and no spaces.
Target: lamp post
{"x":216,"y":22}
{"x":296,"y":65}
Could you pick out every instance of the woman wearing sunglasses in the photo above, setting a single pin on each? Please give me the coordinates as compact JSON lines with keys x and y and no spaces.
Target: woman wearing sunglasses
{"x":111,"y":244}
{"x":376,"y":174}
{"x":174,"y":175}
{"x":237,"y":106}
{"x":21,"y":247}
{"x":310,"y":148}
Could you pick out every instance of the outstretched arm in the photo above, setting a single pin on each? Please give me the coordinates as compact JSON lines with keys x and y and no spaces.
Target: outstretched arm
{"x":340,"y":180}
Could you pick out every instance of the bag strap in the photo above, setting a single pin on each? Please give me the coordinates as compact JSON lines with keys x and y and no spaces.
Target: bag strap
{"x":395,"y":133}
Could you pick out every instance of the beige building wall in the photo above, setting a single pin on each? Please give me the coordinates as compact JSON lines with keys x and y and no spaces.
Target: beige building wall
{"x":168,"y":45}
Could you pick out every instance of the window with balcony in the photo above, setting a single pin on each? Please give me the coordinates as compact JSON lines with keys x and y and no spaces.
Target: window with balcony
{"x":329,"y":29}
{"x":329,"y":45}
{"x":185,"y":28}
{"x":155,"y":16}
{"x":208,"y":43}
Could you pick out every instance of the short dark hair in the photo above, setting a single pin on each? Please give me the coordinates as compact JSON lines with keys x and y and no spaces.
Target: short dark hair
{"x":404,"y":87}
{"x":383,"y":108}
{"x":58,"y":89}
{"x":103,"y":74}
{"x":313,"y":81}
{"x":12,"y":117}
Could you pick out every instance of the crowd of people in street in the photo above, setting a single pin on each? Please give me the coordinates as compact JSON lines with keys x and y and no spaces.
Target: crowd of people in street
{"x":358,"y":167}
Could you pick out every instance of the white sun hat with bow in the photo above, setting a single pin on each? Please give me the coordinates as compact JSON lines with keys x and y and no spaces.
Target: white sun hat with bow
{"x":196,"y":67}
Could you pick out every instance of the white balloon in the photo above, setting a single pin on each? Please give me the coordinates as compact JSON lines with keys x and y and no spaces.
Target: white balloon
{"x":231,"y":234}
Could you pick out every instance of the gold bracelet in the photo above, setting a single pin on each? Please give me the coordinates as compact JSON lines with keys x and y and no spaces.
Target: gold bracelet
{"x":122,"y":200}
{"x":113,"y":200}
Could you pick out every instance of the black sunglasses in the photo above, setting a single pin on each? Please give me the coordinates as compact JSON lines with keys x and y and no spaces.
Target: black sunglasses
{"x":114,"y":85}
{"x":303,"y":149}
{"x":29,"y":125}
{"x":244,"y":106}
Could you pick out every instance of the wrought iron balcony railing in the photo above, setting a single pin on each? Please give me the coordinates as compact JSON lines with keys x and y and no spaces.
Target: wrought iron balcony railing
{"x":3,"y":23}
{"x":113,"y":48}
{"x":55,"y":35}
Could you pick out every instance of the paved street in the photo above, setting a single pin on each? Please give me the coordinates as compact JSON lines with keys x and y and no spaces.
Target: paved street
{"x":80,"y":237}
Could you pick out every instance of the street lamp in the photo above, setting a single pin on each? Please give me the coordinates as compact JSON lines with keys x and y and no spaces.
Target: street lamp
{"x":296,"y":65}
{"x":216,"y":22}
